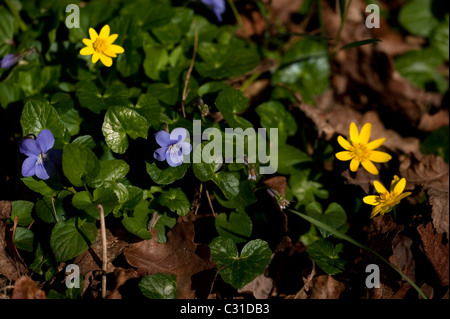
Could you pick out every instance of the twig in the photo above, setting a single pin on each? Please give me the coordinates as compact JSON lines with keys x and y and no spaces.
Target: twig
{"x":209,"y":201}
{"x":199,"y":198}
{"x":104,"y":249}
{"x":189,"y":71}
{"x":54,"y":209}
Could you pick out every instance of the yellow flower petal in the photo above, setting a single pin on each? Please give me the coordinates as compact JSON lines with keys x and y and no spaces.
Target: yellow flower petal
{"x":379,"y":187}
{"x":375,"y":144}
{"x":106,"y":60}
{"x":112,"y":38}
{"x":370,"y":167}
{"x":364,"y":135}
{"x":354,"y":136}
{"x":400,"y":197}
{"x":394,"y":182}
{"x":109,"y":53}
{"x":88,"y":42}
{"x":371,"y":200}
{"x":354,"y":164}
{"x":375,"y":211}
{"x":344,"y":143}
{"x":95,"y":57}
{"x":400,"y":187}
{"x":104,"y":32}
{"x":93,"y":34}
{"x":344,"y":156}
{"x":379,"y":157}
{"x":87,"y":51}
{"x":116,"y":48}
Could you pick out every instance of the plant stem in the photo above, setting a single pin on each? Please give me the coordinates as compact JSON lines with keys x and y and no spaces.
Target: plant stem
{"x":104,"y":249}
{"x":341,"y":26}
{"x":189,"y":71}
{"x":340,"y":235}
{"x":238,"y":17}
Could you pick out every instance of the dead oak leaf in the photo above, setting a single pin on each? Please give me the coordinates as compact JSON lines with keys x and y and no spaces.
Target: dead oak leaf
{"x":180,"y":256}
{"x":25,"y":288}
{"x":436,"y":252}
{"x":10,"y":265}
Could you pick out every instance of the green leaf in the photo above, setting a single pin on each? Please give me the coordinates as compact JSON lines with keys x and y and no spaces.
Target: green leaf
{"x":168,"y":175}
{"x":440,"y":38}
{"x":229,"y":102}
{"x":240,"y":270}
{"x":326,"y":256}
{"x":167,"y":93}
{"x":22,"y":209}
{"x":437,"y":143}
{"x":137,"y":221}
{"x":159,"y":286}
{"x":71,"y":237}
{"x":417,"y":17}
{"x":150,"y":109}
{"x":245,"y":197}
{"x":38,"y":115}
{"x":334,"y":216}
{"x":79,"y":164}
{"x":228,"y":182}
{"x":45,"y":211}
{"x":238,"y":226}
{"x":85,"y":140}
{"x":288,"y":156}
{"x":419,"y":67}
{"x":305,"y":68}
{"x":359,"y":43}
{"x":156,"y":60}
{"x":70,"y":117}
{"x":110,"y":171}
{"x":91,"y":98}
{"x":175,"y":200}
{"x":120,"y":122}
{"x":163,"y":224}
{"x":24,"y":239}
{"x":273,"y":114}
{"x":306,"y":191}
{"x":45,"y":188}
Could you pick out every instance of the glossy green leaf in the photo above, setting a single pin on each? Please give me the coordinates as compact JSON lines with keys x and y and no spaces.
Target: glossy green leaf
{"x":334,"y":216}
{"x":326,"y":256}
{"x":417,"y":17}
{"x":121,"y":122}
{"x":110,"y":171}
{"x":230,"y":102}
{"x":237,"y":226}
{"x":159,"y":286}
{"x":167,"y":175}
{"x":24,"y":239}
{"x":71,"y":237}
{"x":241,"y":269}
{"x":45,"y":188}
{"x":38,"y":115}
{"x":273,"y":114}
{"x":22,"y":209}
{"x":50,"y":211}
{"x":175,"y":200}
{"x":79,"y":163}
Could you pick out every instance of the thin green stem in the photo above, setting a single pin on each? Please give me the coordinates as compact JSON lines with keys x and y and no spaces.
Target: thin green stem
{"x":341,"y":26}
{"x":342,"y":236}
{"x":238,"y":17}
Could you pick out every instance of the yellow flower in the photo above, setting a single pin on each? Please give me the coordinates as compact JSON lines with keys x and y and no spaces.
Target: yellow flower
{"x":386,"y":200}
{"x":358,"y":150}
{"x":101,"y":46}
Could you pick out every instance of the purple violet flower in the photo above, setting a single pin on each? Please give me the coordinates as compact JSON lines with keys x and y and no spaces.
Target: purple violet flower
{"x":10,"y":59}
{"x":172,"y":147}
{"x":42,"y":159}
{"x":217,"y":6}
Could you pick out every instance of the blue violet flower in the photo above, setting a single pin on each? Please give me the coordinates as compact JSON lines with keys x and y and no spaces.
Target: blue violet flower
{"x":173,"y":146}
{"x":42,"y":159}
{"x":217,"y":6}
{"x":10,"y":59}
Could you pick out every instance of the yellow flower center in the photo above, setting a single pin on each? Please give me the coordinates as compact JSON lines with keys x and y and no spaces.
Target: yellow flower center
{"x":100,"y":45}
{"x":360,"y":152}
{"x":388,"y":201}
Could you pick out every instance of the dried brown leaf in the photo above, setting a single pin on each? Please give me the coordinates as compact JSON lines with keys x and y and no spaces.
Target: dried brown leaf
{"x":25,"y":288}
{"x":180,"y":256}
{"x":326,"y":287}
{"x":5,"y":209}
{"x":10,"y":265}
{"x":439,"y":210}
{"x":260,"y":287}
{"x":435,"y":251}
{"x":430,"y":171}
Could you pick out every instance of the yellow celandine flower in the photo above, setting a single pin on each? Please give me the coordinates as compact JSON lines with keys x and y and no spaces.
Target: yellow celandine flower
{"x":386,"y":200}
{"x":101,"y":46}
{"x":360,"y":151}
